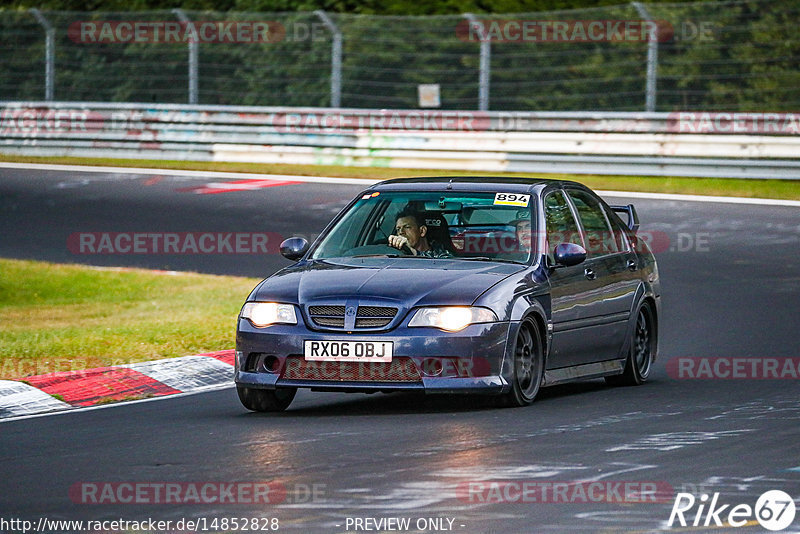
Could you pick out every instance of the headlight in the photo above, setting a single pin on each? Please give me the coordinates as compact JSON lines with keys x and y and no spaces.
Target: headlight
{"x":263,"y":314}
{"x":452,"y":318}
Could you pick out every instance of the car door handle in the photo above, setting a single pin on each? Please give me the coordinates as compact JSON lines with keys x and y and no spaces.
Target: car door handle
{"x":589,"y":273}
{"x":631,"y":265}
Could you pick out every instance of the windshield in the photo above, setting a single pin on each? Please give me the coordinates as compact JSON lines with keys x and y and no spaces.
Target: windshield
{"x":457,"y":225}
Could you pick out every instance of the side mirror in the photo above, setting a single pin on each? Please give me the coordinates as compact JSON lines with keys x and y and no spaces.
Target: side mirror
{"x":294,"y":248}
{"x":569,"y":254}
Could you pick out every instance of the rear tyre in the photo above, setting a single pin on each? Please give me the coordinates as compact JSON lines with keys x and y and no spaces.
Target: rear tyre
{"x":528,"y":367}
{"x":266,"y":400}
{"x":640,"y":355}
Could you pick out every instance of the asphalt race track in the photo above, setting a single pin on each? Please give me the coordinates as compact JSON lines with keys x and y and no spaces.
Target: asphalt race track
{"x":583,"y":457}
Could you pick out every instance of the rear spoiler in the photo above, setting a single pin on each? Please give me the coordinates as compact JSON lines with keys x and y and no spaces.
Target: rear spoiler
{"x":633,"y":218}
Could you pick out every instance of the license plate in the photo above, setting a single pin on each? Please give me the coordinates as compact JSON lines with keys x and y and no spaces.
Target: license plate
{"x":348,"y":351}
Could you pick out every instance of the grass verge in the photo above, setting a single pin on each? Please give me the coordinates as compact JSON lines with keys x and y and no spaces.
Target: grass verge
{"x":780,"y":189}
{"x":69,"y":317}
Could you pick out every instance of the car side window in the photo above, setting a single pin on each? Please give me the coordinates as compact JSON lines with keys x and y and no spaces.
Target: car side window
{"x":619,"y":233}
{"x":600,"y":240}
{"x":561,"y":225}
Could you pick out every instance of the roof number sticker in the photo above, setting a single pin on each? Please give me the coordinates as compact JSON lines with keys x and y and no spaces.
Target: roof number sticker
{"x":511,"y":199}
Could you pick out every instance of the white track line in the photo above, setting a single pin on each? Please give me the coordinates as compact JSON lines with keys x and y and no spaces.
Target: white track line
{"x":369,"y":181}
{"x":197,"y":174}
{"x":71,"y":410}
{"x":701,"y":198}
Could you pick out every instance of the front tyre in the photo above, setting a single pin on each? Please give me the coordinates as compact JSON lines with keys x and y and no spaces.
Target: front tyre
{"x":528,"y":367}
{"x":266,"y":400}
{"x":640,"y":355}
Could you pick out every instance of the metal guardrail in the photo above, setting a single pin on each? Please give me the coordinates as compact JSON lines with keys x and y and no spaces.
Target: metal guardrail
{"x":745,"y":145}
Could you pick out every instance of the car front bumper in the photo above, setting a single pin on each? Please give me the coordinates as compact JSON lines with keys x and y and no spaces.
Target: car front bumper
{"x":474,"y":360}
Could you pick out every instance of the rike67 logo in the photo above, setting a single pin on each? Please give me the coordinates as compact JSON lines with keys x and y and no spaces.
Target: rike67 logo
{"x":774,"y":510}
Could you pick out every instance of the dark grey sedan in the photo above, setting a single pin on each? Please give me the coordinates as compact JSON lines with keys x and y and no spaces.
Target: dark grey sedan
{"x":494,"y":286}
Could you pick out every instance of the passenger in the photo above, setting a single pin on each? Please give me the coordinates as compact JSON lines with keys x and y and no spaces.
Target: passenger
{"x":411,"y":237}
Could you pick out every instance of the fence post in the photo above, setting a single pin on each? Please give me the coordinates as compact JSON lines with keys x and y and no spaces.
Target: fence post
{"x":652,"y":59}
{"x":336,"y":58}
{"x":193,"y":53}
{"x":50,"y":54}
{"x":484,"y":69}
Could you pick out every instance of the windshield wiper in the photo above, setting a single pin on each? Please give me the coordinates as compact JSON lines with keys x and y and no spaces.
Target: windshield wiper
{"x":375,"y":256}
{"x":486,"y":258}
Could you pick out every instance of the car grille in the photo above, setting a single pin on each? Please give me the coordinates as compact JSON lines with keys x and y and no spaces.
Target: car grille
{"x":400,"y":369}
{"x":366,"y":316}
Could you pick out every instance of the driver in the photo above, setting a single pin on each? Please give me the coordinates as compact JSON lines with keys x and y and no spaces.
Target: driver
{"x":523,"y":231}
{"x":523,"y":239}
{"x":412,"y":233}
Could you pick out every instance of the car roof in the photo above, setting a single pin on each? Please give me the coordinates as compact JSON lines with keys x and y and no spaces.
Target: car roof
{"x":515,"y":184}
